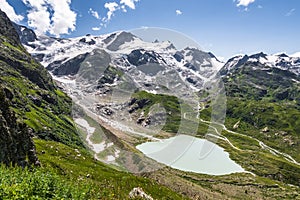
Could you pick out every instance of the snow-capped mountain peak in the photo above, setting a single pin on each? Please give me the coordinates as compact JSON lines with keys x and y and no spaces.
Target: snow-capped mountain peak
{"x":147,"y":63}
{"x":279,"y":60}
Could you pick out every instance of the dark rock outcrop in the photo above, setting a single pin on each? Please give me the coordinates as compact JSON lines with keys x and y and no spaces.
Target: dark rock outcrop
{"x":136,"y":104}
{"x":70,"y":67}
{"x":91,"y":42}
{"x":26,"y":35}
{"x":116,"y":40}
{"x":178,"y":56}
{"x":141,"y":57}
{"x":16,"y":145}
{"x":7,"y":29}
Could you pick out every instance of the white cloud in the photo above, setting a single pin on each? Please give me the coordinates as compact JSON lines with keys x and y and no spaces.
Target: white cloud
{"x":63,"y":19}
{"x":260,"y":6}
{"x":244,"y":2}
{"x":112,"y":7}
{"x":123,"y":7}
{"x":52,"y":16}
{"x":290,"y":12}
{"x":10,"y":11}
{"x":129,"y":3}
{"x":94,"y":13}
{"x":96,"y":28}
{"x":178,"y":12}
{"x":38,"y":16}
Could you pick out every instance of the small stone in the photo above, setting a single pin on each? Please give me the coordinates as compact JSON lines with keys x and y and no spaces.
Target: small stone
{"x":138,"y":192}
{"x":236,"y":125}
{"x":265,"y":130}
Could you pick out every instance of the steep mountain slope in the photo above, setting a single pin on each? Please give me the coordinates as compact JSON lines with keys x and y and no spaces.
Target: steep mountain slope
{"x":264,"y":77}
{"x":263,"y":102}
{"x":16,"y":145}
{"x":270,"y":96}
{"x":31,"y":104}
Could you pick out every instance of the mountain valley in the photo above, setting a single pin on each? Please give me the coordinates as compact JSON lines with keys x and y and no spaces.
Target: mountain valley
{"x":79,"y":107}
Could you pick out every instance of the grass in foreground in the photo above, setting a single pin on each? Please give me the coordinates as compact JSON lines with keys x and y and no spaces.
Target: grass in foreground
{"x":71,"y":174}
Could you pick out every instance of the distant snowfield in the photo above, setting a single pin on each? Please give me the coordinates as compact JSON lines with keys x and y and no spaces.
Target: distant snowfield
{"x":297,"y":54}
{"x":97,"y":148}
{"x":83,"y":123}
{"x":112,"y":158}
{"x":64,"y":80}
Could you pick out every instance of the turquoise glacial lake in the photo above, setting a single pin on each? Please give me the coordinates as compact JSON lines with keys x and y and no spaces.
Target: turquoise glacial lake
{"x":188,"y":153}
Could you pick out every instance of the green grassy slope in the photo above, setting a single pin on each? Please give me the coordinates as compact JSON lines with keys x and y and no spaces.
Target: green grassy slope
{"x":33,"y":95}
{"x":73,"y":174}
{"x":263,"y":103}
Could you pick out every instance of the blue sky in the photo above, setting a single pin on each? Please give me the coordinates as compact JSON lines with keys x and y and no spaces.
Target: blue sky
{"x":224,"y":27}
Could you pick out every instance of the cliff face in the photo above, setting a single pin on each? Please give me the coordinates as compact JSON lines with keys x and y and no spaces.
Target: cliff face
{"x":16,"y":145}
